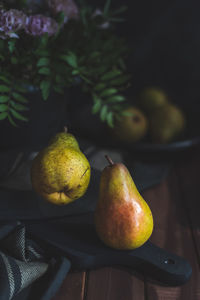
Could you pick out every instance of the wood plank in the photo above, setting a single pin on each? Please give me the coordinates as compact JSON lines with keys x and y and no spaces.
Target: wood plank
{"x":189,"y":181}
{"x":170,"y":233}
{"x":72,"y":287}
{"x":114,"y":284}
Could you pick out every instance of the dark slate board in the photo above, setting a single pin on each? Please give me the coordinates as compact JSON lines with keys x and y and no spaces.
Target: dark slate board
{"x":76,"y":238}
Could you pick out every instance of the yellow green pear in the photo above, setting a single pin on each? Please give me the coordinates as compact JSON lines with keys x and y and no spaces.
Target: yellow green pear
{"x":166,"y":123}
{"x":131,"y":126}
{"x":123,"y":220}
{"x":60,"y":173}
{"x":152,"y":98}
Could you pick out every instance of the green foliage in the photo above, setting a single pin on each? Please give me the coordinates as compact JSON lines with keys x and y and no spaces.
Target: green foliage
{"x":70,"y":59}
{"x":110,"y":119}
{"x":43,"y":61}
{"x":45,"y":88}
{"x":12,"y":102}
{"x":11,"y":45}
{"x":80,"y":53}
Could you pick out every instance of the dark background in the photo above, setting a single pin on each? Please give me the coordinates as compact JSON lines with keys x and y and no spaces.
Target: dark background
{"x":165,"y":36}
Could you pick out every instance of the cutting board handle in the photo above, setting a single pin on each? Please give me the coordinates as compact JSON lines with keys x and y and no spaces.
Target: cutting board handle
{"x":157,"y":263}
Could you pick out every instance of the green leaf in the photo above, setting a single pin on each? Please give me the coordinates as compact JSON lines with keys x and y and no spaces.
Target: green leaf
{"x":5,"y":79}
{"x":75,"y":72}
{"x":116,"y":98}
{"x":12,"y":121}
{"x":20,"y":89}
{"x":117,"y":108}
{"x":45,"y":88}
{"x":58,"y":89}
{"x":111,"y":75}
{"x":2,"y":57}
{"x":110,"y":119}
{"x":85,"y":79}
{"x":4,"y":99}
{"x":83,"y":16}
{"x":44,"y":40}
{"x":94,"y":55}
{"x":71,"y":59}
{"x":97,"y":105}
{"x":3,"y":115}
{"x":44,"y":71}
{"x":60,"y":18}
{"x":19,"y":97}
{"x":3,"y":107}
{"x":103,"y":113}
{"x":99,"y":86}
{"x":11,"y":45}
{"x":101,"y":69}
{"x":108,"y":92}
{"x":42,"y":52}
{"x":14,"y":60}
{"x":4,"y":89}
{"x":60,"y":79}
{"x":18,"y":106}
{"x":43,"y":61}
{"x":17,"y":115}
{"x":120,"y":80}
{"x":126,"y":113}
{"x":106,"y":7}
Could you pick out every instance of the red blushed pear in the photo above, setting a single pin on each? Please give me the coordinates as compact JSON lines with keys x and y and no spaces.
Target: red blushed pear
{"x":123,"y":219}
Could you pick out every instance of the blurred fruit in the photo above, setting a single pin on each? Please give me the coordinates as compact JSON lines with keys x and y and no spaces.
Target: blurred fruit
{"x":166,"y":123}
{"x":131,"y":126}
{"x":152,"y":98}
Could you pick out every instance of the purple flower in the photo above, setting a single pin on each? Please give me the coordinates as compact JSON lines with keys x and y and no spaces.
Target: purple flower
{"x":38,"y":25}
{"x":69,"y":8}
{"x":12,"y":20}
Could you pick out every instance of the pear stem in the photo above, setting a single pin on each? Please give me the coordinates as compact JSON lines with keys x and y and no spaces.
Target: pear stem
{"x":109,"y":160}
{"x":65,"y":129}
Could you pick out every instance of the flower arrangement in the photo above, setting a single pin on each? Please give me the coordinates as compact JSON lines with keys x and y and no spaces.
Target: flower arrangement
{"x":57,"y":44}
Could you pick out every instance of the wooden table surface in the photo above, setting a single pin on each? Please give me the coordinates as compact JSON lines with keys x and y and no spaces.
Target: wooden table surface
{"x":175,"y":206}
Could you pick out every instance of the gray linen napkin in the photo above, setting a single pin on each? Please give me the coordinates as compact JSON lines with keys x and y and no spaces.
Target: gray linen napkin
{"x":21,"y":261}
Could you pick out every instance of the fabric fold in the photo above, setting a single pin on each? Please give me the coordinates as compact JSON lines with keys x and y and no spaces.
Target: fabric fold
{"x":23,"y":261}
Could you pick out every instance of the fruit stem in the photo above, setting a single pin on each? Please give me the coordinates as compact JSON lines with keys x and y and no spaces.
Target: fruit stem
{"x":109,"y":160}
{"x":65,"y":129}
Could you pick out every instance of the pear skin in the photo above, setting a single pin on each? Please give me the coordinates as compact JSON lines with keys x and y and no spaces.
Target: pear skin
{"x":152,"y":98}
{"x":123,"y":219}
{"x":64,"y":139}
{"x":130,"y":128}
{"x":60,"y":173}
{"x":166,"y":123}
